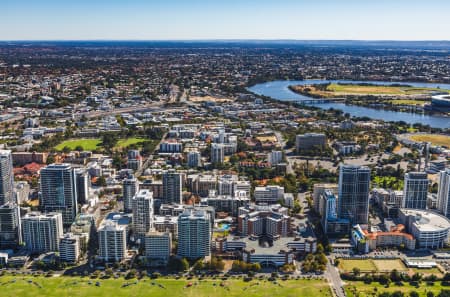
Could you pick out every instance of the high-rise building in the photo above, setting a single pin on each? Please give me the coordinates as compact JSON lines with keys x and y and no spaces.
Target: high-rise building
{"x":158,"y":245}
{"x":415,"y":190}
{"x":82,"y":178}
{"x":142,"y":214}
{"x":172,"y":187}
{"x":217,"y":153}
{"x":112,"y":239}
{"x":41,"y":232}
{"x":194,"y":234}
{"x":69,"y":248}
{"x":443,"y":197}
{"x":275,"y":157}
{"x":353,"y":200}
{"x":6,"y":178}
{"x":130,"y":186}
{"x":10,"y":226}
{"x":194,"y":159}
{"x":59,"y":191}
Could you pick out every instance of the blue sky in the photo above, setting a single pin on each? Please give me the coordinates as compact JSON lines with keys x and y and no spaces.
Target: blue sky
{"x":226,"y":19}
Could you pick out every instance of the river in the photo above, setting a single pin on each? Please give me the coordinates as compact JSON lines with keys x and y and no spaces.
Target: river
{"x":279,"y":90}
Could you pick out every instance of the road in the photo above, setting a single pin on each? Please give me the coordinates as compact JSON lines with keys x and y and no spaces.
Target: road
{"x":149,"y":159}
{"x":282,"y":142}
{"x":334,"y":280}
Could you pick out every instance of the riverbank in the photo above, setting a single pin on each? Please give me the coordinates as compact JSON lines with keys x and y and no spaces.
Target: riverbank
{"x":279,"y":90}
{"x":401,"y":98}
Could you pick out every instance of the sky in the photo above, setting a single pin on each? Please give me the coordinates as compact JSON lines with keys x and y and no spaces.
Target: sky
{"x":225,"y":19}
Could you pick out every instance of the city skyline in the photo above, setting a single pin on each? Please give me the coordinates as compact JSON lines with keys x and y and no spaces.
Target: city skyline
{"x":241,"y":20}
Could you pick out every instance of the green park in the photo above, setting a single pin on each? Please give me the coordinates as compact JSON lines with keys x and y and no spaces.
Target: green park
{"x":161,"y":287}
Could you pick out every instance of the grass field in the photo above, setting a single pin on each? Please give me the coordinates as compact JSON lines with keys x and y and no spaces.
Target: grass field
{"x":76,"y":286}
{"x":408,"y":102}
{"x":388,"y":265}
{"x":88,"y":144}
{"x":435,"y":139}
{"x":336,"y":90}
{"x":122,"y":143}
{"x":428,"y":271}
{"x":369,"y":265}
{"x":354,"y":289}
{"x":365,"y":265}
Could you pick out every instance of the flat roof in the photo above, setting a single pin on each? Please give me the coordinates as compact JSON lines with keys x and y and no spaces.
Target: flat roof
{"x":426,"y":220}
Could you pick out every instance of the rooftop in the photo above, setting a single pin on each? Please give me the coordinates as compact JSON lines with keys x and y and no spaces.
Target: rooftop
{"x":426,"y":220}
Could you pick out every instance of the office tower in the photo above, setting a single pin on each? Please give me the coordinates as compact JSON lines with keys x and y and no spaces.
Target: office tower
{"x":59,"y":191}
{"x":158,"y":245}
{"x":310,"y":141}
{"x":142,"y":204}
{"x":41,"y":232}
{"x":193,"y":159}
{"x":130,"y":186}
{"x":443,"y":197}
{"x":275,"y":157}
{"x":10,"y":226}
{"x":112,"y":239}
{"x":217,"y":153}
{"x":172,"y":187}
{"x":6,"y":178}
{"x":82,"y":178}
{"x":415,"y":190}
{"x":194,"y":234}
{"x":69,"y":248}
{"x":353,"y":201}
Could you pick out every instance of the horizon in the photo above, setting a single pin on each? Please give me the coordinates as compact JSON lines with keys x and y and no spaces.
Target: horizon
{"x":176,"y":20}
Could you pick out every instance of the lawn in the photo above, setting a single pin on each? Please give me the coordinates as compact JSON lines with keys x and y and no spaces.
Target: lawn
{"x":408,"y":102}
{"x":369,"y":265}
{"x":88,"y":144}
{"x":428,"y":271}
{"x":353,"y":89}
{"x":77,"y":286}
{"x":435,"y":139}
{"x":374,"y":289}
{"x":122,"y":143}
{"x":388,"y":265}
{"x":336,"y":90}
{"x":365,"y":265}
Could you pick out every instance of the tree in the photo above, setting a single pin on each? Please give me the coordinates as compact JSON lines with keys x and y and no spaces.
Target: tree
{"x":356,"y":271}
{"x":413,"y":294}
{"x":184,"y":264}
{"x":109,"y":272}
{"x":395,"y":275}
{"x":320,"y":248}
{"x":199,"y":265}
{"x":50,"y":159}
{"x":101,"y":181}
